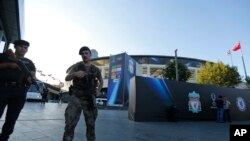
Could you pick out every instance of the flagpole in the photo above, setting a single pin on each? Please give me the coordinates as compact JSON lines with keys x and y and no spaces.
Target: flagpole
{"x":230,"y":54}
{"x":231,"y":60}
{"x":243,"y":63}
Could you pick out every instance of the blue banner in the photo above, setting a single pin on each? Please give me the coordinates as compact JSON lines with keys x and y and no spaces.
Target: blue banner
{"x":121,"y":69}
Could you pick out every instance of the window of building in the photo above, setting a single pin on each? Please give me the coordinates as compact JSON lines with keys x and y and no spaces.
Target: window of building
{"x":145,"y":71}
{"x":106,"y":72}
{"x":106,"y":62}
{"x":156,"y":72}
{"x":98,"y":62}
{"x":193,"y":75}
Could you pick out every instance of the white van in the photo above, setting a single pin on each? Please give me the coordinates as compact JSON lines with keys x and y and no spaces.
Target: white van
{"x":35,"y":94}
{"x":101,"y":101}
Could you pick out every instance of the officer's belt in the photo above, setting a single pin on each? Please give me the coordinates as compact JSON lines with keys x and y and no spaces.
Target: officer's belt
{"x":11,"y":84}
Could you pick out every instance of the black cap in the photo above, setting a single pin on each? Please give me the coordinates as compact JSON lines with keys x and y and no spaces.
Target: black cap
{"x":84,"y":48}
{"x":21,"y":42}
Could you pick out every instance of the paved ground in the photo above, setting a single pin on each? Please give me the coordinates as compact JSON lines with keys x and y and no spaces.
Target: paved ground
{"x":46,"y":123}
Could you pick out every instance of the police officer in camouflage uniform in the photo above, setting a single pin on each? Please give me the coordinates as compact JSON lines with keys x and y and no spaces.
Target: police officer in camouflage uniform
{"x":87,"y":83}
{"x":12,"y":90}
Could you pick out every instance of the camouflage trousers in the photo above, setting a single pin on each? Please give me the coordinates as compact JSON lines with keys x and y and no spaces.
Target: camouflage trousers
{"x":72,"y":115}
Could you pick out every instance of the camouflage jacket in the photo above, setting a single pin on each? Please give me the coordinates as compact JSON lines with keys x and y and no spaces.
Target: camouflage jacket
{"x":88,"y":83}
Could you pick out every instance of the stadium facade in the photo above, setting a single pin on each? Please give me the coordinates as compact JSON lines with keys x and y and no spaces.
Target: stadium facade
{"x":150,"y":66}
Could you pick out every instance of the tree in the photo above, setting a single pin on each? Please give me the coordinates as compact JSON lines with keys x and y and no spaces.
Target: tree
{"x":233,"y":77}
{"x":218,"y":74}
{"x":170,"y":72}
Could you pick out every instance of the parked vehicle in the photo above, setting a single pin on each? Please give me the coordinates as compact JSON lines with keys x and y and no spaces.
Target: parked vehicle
{"x":101,"y":101}
{"x":34,"y":93}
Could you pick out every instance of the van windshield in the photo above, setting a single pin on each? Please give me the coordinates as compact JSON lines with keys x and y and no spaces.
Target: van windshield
{"x":34,"y":89}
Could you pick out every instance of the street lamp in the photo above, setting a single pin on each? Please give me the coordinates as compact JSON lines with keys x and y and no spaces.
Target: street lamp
{"x":176,"y":66}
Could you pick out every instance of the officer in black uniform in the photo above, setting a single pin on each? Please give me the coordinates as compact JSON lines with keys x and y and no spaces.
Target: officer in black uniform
{"x":13,"y":93}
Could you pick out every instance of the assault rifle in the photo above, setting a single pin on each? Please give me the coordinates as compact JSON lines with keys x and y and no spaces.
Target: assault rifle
{"x":15,"y":75}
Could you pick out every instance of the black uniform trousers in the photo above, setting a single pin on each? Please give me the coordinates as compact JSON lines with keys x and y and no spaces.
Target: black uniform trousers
{"x":14,"y":98}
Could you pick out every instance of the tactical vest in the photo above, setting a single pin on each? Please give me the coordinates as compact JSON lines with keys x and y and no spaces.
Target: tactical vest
{"x":89,"y":82}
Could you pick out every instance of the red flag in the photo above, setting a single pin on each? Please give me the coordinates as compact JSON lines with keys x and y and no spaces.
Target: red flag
{"x":236,"y":47}
{"x":228,"y":52}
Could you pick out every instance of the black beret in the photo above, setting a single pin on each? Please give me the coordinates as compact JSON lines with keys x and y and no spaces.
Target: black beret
{"x":83,"y":49}
{"x":21,"y":42}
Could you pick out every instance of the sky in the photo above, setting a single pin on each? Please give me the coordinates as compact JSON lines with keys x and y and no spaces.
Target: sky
{"x":56,"y":29}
